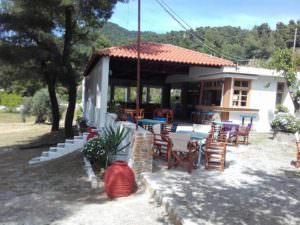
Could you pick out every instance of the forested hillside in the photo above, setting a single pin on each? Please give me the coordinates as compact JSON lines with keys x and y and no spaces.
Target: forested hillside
{"x":259,"y":42}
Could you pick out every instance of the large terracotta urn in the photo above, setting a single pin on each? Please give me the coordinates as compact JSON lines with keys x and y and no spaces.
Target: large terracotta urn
{"x":119,"y":180}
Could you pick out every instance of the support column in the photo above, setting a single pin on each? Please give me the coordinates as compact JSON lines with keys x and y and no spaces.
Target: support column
{"x":166,"y":95}
{"x":83,"y":100}
{"x":226,"y":97}
{"x":104,"y":76}
{"x":184,"y":88}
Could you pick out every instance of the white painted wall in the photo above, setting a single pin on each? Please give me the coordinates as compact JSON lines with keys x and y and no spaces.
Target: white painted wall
{"x":96,"y":88}
{"x":263,"y":97}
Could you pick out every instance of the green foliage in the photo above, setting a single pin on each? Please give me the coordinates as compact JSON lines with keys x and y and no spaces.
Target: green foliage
{"x":112,"y":139}
{"x":94,"y":151}
{"x":281,"y":109}
{"x":26,"y":108}
{"x":286,"y":123}
{"x":41,"y":106}
{"x":257,"y":43}
{"x":98,"y":150}
{"x":113,"y":107}
{"x":10,"y":100}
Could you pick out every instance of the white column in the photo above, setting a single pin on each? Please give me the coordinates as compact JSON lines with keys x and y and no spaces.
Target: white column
{"x":104,"y":76}
{"x":83,"y":100}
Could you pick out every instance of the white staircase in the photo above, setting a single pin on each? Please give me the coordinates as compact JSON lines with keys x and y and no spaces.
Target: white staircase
{"x":78,"y":142}
{"x":61,"y":149}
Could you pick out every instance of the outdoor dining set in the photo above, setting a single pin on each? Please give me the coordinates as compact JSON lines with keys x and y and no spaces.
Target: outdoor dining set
{"x":193,"y":146}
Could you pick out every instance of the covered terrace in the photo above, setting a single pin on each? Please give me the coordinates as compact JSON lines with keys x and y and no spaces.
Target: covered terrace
{"x":110,"y":76}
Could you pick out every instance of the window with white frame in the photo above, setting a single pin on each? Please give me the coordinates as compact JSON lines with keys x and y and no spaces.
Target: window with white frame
{"x":241,"y":91}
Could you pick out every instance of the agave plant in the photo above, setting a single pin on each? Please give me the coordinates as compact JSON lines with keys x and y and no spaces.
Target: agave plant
{"x":112,"y":140}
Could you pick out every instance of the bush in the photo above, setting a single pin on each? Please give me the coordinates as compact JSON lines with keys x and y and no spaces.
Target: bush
{"x":102,"y":150}
{"x":41,"y":106}
{"x":95,"y":152}
{"x":11,"y":101}
{"x":26,"y":108}
{"x":286,"y":122}
{"x":281,"y":109}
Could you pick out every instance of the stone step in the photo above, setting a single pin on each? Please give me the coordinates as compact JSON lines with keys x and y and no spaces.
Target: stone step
{"x":53,"y":149}
{"x":35,"y":160}
{"x":45,"y":154}
{"x":69,"y":141}
{"x":61,"y":145}
{"x":78,"y":137}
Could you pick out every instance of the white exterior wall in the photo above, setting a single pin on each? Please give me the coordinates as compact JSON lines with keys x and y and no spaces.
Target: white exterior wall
{"x":263,"y":97}
{"x":96,"y":88}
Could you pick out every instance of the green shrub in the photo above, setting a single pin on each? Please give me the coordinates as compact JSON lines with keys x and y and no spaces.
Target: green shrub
{"x":10,"y":100}
{"x":286,"y":122}
{"x":95,"y":152}
{"x":100,"y":150}
{"x":41,"y":106}
{"x":281,"y":109}
{"x":26,"y":108}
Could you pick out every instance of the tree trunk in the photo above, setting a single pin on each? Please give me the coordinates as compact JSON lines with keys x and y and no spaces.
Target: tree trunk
{"x":71,"y":106}
{"x":69,"y":74}
{"x":54,"y":106}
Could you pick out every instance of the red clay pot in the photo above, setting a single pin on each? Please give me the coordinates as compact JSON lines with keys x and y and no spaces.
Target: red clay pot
{"x":119,"y":180}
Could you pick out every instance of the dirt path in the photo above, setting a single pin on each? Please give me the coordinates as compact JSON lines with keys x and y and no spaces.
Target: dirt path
{"x":57,"y":193}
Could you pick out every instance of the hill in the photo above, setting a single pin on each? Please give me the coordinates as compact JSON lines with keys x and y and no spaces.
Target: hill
{"x":231,"y":42}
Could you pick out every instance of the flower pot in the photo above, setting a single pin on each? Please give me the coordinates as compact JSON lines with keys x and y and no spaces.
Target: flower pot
{"x":92,"y":135}
{"x":90,"y":129}
{"x":119,"y":180}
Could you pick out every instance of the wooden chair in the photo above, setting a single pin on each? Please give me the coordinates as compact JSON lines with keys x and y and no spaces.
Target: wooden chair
{"x":182,"y":150}
{"x":243,"y":132}
{"x":140,"y":114}
{"x":215,"y":154}
{"x":298,"y":154}
{"x":160,"y":145}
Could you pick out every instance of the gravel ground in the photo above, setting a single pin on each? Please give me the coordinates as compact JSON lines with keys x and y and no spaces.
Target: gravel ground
{"x":259,"y":186}
{"x":57,"y":193}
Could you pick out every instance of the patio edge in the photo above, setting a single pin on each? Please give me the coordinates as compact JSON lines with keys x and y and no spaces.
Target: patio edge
{"x":170,"y":207}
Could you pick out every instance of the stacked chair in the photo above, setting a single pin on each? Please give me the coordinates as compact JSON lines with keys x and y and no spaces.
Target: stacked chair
{"x":215,"y":148}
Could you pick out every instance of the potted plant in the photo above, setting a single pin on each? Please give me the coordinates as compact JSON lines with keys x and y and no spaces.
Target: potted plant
{"x":95,"y":153}
{"x":119,"y":179}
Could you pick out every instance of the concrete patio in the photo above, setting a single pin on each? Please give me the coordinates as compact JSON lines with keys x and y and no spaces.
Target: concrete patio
{"x":259,"y":186}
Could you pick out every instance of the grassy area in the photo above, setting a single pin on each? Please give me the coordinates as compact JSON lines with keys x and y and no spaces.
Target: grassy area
{"x":14,"y":132}
{"x":6,"y":117}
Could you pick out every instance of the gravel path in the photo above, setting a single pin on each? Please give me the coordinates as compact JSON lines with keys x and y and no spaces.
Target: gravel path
{"x":57,"y":193}
{"x":259,"y":186}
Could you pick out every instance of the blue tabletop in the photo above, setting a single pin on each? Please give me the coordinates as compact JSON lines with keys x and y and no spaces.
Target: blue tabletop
{"x":194,"y":135}
{"x":151,"y":121}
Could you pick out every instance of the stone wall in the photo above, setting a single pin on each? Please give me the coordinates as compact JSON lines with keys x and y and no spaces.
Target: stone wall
{"x":139,"y":153}
{"x":140,"y":159}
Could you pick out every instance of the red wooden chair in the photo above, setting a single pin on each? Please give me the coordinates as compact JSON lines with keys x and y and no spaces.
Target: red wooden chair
{"x":160,"y":145}
{"x":182,"y":150}
{"x":243,"y":133}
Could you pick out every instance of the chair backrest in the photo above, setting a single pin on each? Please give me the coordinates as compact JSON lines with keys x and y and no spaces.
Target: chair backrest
{"x":156,"y":128}
{"x":179,"y":141}
{"x":201,"y":128}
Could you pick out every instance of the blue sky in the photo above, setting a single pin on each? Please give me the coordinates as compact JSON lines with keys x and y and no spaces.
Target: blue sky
{"x":243,"y":13}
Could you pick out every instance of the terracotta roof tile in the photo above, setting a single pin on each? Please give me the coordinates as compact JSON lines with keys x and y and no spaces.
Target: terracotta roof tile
{"x":164,"y":53}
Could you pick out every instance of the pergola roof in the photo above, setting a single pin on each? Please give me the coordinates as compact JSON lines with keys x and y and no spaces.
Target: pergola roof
{"x":158,"y":52}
